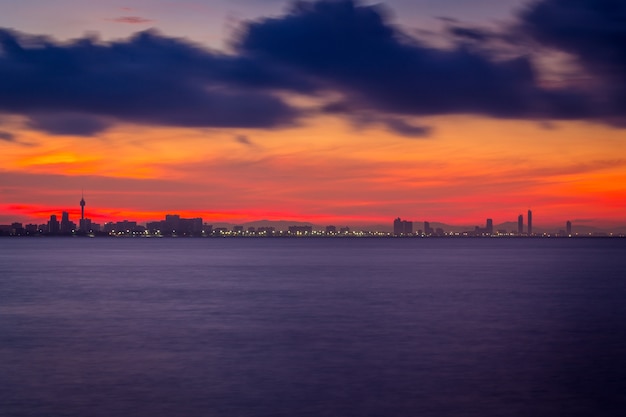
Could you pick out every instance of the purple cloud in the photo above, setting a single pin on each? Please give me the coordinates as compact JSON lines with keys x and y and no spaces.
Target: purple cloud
{"x":131,"y":19}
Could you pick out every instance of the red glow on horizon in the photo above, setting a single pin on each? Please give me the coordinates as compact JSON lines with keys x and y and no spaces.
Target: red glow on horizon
{"x":41,"y":214}
{"x":541,"y":217}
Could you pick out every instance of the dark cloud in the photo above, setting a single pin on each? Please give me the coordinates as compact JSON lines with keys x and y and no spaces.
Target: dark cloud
{"x":403,"y":128}
{"x":399,"y":126}
{"x":131,"y":20}
{"x":355,"y":50}
{"x":592,"y":31}
{"x":474,"y":34}
{"x":11,"y":138}
{"x":84,"y":86}
{"x":244,"y":140}
{"x":7,"y":136}
{"x":68,"y":124}
{"x":147,"y":78}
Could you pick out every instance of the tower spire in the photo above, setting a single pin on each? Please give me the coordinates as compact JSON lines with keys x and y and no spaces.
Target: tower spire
{"x":82,"y":205}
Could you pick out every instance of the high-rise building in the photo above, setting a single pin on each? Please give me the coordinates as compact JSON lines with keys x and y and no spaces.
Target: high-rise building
{"x":407,"y":227}
{"x":53,"y":225}
{"x":67,"y":226}
{"x":520,"y":224}
{"x":402,"y":227}
{"x":85,"y":225}
{"x":172,"y":223}
{"x":190,"y":227}
{"x":397,"y":227}
{"x":530,"y":223}
{"x":427,"y":229}
{"x":489,"y":227}
{"x":568,"y":228}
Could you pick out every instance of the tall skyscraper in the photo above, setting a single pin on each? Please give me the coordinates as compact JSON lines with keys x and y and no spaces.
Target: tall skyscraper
{"x":66,"y":225}
{"x":397,"y":226}
{"x":530,"y":222}
{"x":402,"y":227}
{"x":489,"y":227}
{"x":520,"y":224}
{"x":53,"y":225}
{"x":407,"y":227}
{"x":568,"y":228}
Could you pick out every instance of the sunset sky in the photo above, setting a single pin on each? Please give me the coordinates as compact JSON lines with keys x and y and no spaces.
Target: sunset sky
{"x":333,"y":112}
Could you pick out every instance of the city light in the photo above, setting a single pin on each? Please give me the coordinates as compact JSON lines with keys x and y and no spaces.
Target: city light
{"x":174,"y":225}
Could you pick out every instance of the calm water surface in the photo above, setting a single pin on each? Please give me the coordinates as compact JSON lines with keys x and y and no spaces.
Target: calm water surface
{"x":305,"y":327}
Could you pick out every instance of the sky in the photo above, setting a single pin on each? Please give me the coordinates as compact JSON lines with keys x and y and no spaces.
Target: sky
{"x":332,"y":112}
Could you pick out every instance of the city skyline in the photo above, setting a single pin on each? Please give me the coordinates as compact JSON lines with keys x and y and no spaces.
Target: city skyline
{"x":175,"y":225}
{"x":452,"y":112}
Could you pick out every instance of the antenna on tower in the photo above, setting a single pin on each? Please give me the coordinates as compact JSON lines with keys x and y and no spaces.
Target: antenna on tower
{"x":82,"y":204}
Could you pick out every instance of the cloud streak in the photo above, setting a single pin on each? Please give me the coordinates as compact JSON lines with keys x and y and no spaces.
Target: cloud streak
{"x":7,"y":137}
{"x":131,"y":19}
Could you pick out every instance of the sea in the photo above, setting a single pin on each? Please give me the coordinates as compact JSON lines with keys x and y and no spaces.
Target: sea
{"x":290,"y":327}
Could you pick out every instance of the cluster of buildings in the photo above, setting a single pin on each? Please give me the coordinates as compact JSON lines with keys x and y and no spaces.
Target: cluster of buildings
{"x":54,"y":227}
{"x":174,"y":225}
{"x":405,"y":228}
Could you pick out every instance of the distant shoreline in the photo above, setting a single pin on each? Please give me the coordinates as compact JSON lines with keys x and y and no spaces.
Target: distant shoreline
{"x":287,"y":236}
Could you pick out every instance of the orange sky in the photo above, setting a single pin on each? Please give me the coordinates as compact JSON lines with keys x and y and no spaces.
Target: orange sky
{"x":326,"y":171}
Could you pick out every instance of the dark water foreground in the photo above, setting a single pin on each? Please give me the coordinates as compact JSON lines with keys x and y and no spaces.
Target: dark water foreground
{"x":303,"y":327}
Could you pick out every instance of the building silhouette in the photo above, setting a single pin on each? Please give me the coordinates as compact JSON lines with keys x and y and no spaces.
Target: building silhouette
{"x":176,"y":225}
{"x":124,"y":227}
{"x":530,"y":223}
{"x":300,"y":230}
{"x":53,"y":225}
{"x":193,"y":226}
{"x":427,"y":229}
{"x":484,"y":231}
{"x":402,"y":227}
{"x":489,"y":227}
{"x":568,"y":228}
{"x":84,"y":225}
{"x":266,"y":231}
{"x":172,"y":223}
{"x":67,"y":226}
{"x":520,"y":224}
